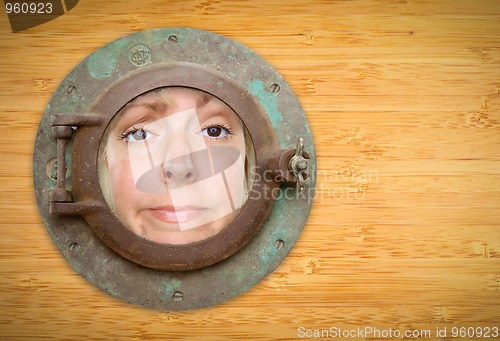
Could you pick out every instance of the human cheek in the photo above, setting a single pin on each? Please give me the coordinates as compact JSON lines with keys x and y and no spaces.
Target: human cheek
{"x":119,"y":171}
{"x":121,"y":182}
{"x":238,"y":140}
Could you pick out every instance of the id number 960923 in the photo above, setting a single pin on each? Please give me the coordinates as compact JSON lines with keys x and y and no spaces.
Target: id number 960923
{"x":28,"y":8}
{"x":475,"y":332}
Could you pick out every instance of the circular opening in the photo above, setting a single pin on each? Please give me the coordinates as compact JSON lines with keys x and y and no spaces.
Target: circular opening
{"x":175,"y":165}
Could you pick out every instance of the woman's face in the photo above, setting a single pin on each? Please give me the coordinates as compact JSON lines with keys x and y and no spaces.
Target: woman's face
{"x":176,"y":164}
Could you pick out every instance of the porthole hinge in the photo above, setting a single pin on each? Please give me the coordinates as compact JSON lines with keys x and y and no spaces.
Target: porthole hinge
{"x":74,"y":208}
{"x":60,"y":198}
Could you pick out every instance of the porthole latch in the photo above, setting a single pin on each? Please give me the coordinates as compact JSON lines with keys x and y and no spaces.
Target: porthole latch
{"x":292,"y":166}
{"x":299,"y":164}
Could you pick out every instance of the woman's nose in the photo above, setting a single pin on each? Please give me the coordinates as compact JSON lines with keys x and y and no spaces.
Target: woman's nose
{"x":179,"y":171}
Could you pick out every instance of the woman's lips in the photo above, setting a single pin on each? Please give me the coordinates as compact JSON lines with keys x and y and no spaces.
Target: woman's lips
{"x":182,"y":214}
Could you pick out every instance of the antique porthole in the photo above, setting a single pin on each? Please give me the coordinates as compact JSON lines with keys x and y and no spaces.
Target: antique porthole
{"x":174,"y":168}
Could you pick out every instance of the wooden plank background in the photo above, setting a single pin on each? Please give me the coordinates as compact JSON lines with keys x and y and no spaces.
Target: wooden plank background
{"x":403,"y":98}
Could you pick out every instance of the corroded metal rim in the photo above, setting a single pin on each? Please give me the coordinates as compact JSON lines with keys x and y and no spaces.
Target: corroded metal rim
{"x":106,"y":225}
{"x":83,"y":92}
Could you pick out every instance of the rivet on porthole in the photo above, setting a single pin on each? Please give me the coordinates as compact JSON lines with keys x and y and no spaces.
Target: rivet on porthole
{"x":179,"y":157}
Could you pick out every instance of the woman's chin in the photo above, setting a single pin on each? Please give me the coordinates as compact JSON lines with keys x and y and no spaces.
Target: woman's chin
{"x":179,"y":237}
{"x":157,"y":228}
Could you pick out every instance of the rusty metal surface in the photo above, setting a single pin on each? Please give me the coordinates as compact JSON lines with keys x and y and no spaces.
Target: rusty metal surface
{"x":83,"y":94}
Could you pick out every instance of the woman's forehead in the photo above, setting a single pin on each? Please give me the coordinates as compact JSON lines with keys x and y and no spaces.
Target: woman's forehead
{"x":173,"y":97}
{"x":156,"y":104}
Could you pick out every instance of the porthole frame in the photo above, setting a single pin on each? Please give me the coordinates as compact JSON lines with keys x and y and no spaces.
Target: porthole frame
{"x":83,"y":227}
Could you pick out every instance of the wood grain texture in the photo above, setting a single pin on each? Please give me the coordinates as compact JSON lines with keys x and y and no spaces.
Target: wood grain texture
{"x":403,"y":99}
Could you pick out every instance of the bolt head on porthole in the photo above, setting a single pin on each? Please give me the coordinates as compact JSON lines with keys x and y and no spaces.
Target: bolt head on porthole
{"x":176,"y":161}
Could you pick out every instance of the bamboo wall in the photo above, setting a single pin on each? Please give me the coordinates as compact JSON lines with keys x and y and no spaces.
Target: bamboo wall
{"x":403,"y":99}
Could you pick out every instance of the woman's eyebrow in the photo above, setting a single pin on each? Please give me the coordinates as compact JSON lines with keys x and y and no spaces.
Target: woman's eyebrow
{"x":203,"y":100}
{"x":156,"y":106}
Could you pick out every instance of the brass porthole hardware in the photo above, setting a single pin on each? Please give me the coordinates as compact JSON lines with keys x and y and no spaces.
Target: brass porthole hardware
{"x":180,"y":158}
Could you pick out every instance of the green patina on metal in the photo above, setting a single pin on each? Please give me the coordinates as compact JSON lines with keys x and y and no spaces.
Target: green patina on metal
{"x":102,"y":63}
{"x":169,"y":287}
{"x":267,"y":100}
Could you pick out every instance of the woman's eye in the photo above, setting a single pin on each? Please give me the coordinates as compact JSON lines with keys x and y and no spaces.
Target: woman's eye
{"x":138,"y":135}
{"x":215,"y":132}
